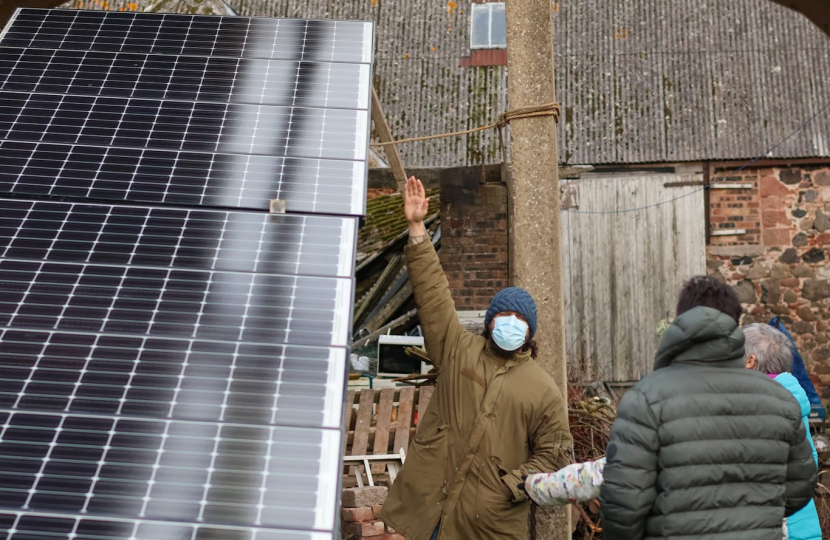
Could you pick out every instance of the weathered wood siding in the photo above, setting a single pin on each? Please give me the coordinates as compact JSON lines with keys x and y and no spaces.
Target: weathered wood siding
{"x":623,"y":271}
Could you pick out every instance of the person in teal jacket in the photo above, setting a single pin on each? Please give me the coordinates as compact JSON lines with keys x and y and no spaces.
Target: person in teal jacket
{"x":769,"y":351}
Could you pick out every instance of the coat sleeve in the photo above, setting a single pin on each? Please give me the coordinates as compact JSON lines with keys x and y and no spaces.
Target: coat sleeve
{"x":578,"y":482}
{"x":550,"y":444}
{"x":628,"y":490}
{"x":436,"y":309}
{"x":802,"y":474}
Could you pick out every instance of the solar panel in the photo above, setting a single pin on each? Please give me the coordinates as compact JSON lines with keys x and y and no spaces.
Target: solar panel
{"x":182,"y":178}
{"x":43,"y":525}
{"x":179,"y":238}
{"x":223,"y":474}
{"x":235,"y":37}
{"x":184,"y":125}
{"x":161,"y":378}
{"x":190,"y":78}
{"x":172,"y":357}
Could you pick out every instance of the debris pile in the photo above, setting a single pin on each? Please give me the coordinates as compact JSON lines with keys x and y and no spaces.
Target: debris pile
{"x":591,"y":413}
{"x":383,"y":295}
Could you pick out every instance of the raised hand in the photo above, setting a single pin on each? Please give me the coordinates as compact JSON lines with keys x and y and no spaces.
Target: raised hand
{"x":416,"y":203}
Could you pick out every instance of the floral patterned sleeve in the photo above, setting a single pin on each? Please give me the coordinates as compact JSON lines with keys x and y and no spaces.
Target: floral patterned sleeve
{"x":579,"y":482}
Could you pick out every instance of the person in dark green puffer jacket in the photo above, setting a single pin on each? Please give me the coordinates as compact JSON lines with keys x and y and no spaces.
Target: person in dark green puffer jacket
{"x":702,"y":448}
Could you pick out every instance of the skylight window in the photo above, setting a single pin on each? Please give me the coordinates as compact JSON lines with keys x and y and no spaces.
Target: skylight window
{"x":488,"y":28}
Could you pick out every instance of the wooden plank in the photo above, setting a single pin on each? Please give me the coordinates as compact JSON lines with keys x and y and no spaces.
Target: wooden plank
{"x":391,"y":307}
{"x":405,"y":402}
{"x":384,"y":419}
{"x":349,"y":408}
{"x":392,"y":269}
{"x":364,"y":421}
{"x":385,"y":135}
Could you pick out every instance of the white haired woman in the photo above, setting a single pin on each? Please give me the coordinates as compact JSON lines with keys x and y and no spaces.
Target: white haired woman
{"x":769,"y":351}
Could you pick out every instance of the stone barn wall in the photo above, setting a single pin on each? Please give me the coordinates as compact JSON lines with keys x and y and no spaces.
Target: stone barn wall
{"x":780,"y":266}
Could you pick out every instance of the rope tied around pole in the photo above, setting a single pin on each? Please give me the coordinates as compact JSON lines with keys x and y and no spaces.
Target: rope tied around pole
{"x":534,"y":111}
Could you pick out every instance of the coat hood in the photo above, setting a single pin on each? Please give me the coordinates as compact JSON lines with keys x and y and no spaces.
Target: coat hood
{"x":788,"y":381}
{"x":702,"y":335}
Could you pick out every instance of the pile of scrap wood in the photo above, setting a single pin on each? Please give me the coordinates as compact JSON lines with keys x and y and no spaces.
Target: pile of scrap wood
{"x":383,"y":295}
{"x":591,"y":413}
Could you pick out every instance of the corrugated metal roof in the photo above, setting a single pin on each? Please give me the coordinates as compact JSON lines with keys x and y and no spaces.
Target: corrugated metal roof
{"x":662,"y":81}
{"x":644,"y":81}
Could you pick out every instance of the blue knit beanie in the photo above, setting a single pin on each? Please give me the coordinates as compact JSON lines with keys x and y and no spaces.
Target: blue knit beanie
{"x":513,"y":299}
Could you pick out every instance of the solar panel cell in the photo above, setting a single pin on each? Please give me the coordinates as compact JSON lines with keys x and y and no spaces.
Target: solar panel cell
{"x":259,"y":308}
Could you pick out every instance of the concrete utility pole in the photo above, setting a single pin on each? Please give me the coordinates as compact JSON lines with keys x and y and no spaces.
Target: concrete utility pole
{"x":535,"y":250}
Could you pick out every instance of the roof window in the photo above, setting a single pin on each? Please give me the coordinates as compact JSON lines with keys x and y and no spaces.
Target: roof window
{"x":488,"y":28}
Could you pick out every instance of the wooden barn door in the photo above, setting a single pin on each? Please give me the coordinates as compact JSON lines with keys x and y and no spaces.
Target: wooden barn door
{"x":623,"y":269}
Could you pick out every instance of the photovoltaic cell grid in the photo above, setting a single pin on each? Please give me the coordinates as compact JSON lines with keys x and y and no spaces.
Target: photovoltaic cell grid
{"x":208,"y":381}
{"x":273,"y":107}
{"x":166,"y":470}
{"x":287,"y":244}
{"x":189,"y":78}
{"x":177,"y":35}
{"x":184,"y":125}
{"x":176,"y":373}
{"x":182,"y":178}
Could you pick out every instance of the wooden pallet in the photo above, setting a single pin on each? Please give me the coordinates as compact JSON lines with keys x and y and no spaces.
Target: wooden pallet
{"x":381,"y":422}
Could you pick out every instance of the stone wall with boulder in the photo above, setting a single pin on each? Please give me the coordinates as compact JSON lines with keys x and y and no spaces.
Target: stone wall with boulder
{"x":780,"y":266}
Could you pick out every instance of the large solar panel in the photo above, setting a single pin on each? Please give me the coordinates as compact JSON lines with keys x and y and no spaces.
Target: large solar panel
{"x":173,"y":356}
{"x":281,"y":113}
{"x":235,"y":37}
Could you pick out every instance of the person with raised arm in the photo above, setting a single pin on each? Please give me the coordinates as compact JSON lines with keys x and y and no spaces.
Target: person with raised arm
{"x":495,"y":417}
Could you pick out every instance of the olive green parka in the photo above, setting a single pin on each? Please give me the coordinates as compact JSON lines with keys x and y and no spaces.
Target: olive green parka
{"x":489,"y":423}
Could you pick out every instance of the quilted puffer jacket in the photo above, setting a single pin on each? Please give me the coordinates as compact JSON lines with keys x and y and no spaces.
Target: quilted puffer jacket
{"x":702,"y":448}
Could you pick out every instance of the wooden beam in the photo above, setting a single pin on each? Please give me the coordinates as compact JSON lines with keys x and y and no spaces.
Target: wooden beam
{"x":385,"y":135}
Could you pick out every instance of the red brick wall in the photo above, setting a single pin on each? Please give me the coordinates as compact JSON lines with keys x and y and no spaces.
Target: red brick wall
{"x":736,"y":209}
{"x":474,"y":234}
{"x":779,"y":268}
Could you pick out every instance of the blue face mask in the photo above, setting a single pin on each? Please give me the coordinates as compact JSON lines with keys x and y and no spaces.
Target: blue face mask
{"x":509,"y":332}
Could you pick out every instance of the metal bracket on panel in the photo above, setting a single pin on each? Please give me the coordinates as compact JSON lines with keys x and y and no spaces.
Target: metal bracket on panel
{"x":277,"y":206}
{"x":729,"y":232}
{"x":716,"y":185}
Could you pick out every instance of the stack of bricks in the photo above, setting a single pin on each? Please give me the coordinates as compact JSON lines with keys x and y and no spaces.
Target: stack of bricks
{"x":360,"y":514}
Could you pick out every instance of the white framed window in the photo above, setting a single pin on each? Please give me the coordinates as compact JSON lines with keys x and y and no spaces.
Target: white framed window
{"x":488,"y":26}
